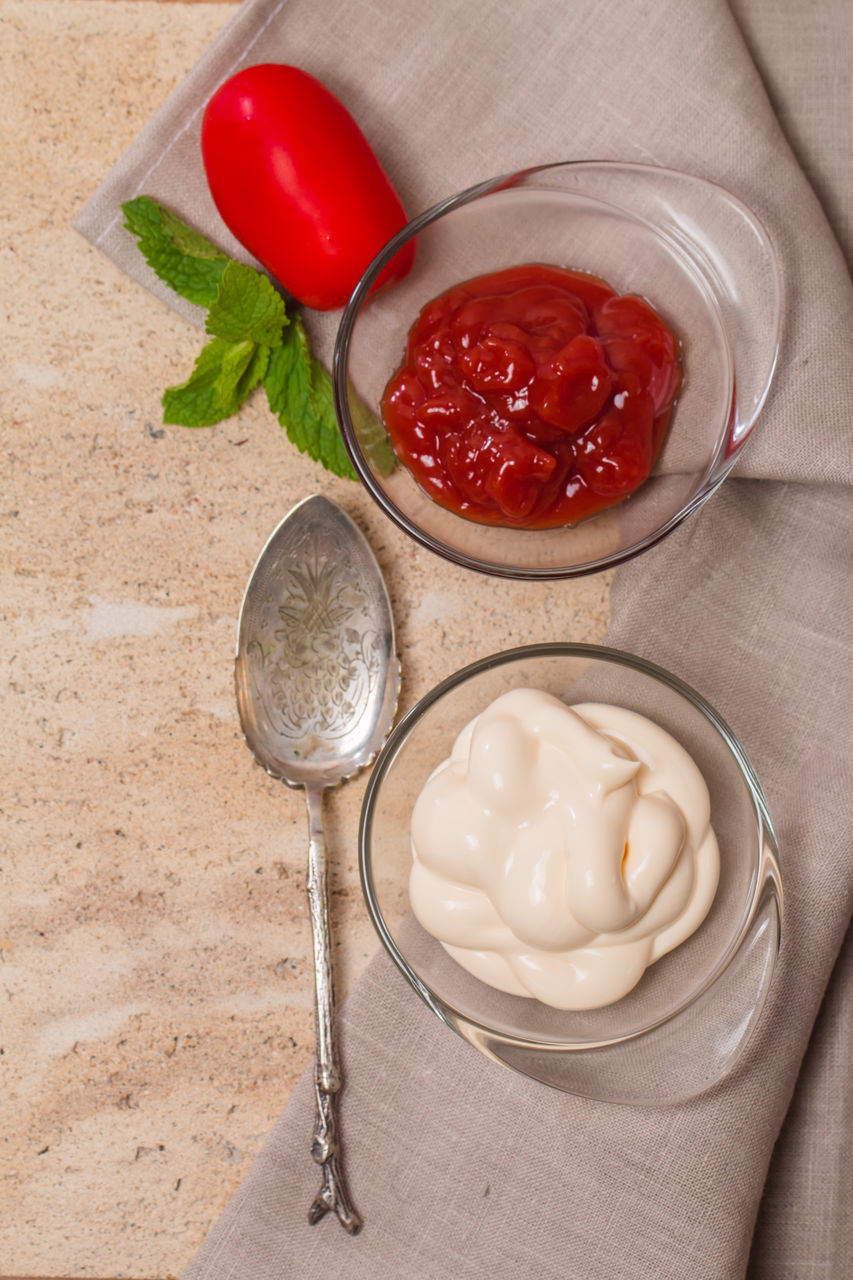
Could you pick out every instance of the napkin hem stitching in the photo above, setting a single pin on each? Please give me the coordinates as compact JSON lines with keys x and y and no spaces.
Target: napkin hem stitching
{"x":177,"y":136}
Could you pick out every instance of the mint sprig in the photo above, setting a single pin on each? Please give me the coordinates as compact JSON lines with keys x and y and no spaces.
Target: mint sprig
{"x":251,"y":340}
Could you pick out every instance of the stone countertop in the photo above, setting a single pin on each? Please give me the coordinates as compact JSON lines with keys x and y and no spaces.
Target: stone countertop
{"x":155,"y":975}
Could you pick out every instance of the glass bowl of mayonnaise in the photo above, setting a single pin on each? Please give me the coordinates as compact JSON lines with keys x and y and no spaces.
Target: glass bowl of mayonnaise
{"x":568,"y":855}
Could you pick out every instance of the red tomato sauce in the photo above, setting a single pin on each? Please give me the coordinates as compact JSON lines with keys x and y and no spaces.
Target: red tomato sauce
{"x":533,"y":397}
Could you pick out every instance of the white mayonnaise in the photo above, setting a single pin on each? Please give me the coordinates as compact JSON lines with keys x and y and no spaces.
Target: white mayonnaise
{"x":559,"y":851}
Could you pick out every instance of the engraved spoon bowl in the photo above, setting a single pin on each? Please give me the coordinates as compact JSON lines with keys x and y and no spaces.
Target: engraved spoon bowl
{"x":317,"y":681}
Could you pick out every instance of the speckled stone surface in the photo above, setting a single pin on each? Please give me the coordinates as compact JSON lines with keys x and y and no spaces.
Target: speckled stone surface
{"x":155,"y":981}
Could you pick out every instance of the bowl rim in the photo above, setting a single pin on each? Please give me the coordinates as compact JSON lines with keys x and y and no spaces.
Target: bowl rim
{"x":766,"y":870}
{"x":719,"y":465}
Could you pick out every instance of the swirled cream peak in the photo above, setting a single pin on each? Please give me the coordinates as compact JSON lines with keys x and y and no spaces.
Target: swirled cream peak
{"x":560,"y":850}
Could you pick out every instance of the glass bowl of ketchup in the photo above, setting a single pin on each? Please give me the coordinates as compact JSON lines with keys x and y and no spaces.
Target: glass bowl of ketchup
{"x":571,"y":367}
{"x":498,"y":883}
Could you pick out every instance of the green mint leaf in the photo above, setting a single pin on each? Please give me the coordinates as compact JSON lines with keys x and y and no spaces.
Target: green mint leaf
{"x":335,"y":457}
{"x":288,"y":379}
{"x":213,"y":391}
{"x":299,"y":391}
{"x":246,"y":307}
{"x":235,"y":362}
{"x":180,"y":256}
{"x":254,"y":373}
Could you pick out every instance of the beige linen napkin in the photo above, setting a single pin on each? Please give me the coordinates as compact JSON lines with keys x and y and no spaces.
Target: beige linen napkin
{"x":460,"y":1168}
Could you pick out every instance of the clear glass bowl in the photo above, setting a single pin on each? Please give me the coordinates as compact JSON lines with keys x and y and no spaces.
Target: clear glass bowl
{"x":695,"y":252}
{"x":686,"y":1023}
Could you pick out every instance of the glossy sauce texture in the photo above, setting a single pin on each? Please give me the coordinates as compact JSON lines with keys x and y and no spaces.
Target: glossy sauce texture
{"x":560,"y":851}
{"x":533,"y":397}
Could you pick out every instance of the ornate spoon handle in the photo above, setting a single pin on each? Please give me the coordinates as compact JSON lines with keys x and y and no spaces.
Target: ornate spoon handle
{"x":325,"y":1147}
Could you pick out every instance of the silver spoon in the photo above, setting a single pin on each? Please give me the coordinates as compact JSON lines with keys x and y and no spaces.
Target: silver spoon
{"x":317,"y":680}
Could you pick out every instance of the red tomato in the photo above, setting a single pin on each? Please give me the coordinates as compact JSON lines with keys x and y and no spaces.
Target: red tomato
{"x":296,"y":182}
